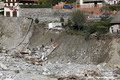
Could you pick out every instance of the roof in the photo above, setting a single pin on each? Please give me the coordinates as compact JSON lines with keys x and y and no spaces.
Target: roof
{"x":88,"y":1}
{"x":116,"y":19}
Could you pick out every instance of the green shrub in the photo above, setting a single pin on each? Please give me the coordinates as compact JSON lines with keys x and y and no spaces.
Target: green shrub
{"x":68,"y":30}
{"x":90,"y":27}
{"x":69,"y":22}
{"x":61,"y":19}
{"x":114,"y":7}
{"x":87,"y":35}
{"x":78,"y":19}
{"x":98,"y":35}
{"x":36,"y":20}
{"x":35,"y":6}
{"x":102,"y":29}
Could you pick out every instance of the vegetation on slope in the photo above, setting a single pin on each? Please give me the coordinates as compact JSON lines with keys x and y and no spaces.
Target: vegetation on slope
{"x":78,"y":24}
{"x":46,"y":3}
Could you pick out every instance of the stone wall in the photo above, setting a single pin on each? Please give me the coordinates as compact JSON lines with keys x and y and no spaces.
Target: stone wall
{"x":45,"y":14}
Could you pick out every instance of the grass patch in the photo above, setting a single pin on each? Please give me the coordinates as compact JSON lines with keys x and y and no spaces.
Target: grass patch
{"x":74,"y":31}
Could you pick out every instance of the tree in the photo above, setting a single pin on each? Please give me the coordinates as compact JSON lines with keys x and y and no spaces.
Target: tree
{"x":42,"y":1}
{"x":105,"y":7}
{"x":78,"y":19}
{"x":69,"y":22}
{"x":61,"y":19}
{"x":36,"y":20}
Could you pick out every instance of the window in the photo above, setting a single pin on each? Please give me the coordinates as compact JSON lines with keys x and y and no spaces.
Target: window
{"x":8,"y":14}
{"x":119,"y":26}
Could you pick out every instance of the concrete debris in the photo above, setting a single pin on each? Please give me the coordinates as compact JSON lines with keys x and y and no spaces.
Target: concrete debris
{"x":8,"y":79}
{"x":3,"y":66}
{"x":92,"y":73}
{"x":4,"y":50}
{"x":20,"y":69}
{"x":17,"y":71}
{"x":32,"y":64}
{"x":117,"y":71}
{"x":70,"y":77}
{"x":36,"y":55}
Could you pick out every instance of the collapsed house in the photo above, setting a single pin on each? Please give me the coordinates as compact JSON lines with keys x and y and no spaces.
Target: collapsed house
{"x":57,"y":26}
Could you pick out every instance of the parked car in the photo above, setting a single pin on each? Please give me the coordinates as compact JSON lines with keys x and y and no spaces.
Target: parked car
{"x":105,"y":15}
{"x":67,"y":7}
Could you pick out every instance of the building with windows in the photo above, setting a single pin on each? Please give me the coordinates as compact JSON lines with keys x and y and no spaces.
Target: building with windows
{"x":90,"y":3}
{"x":112,"y":2}
{"x":11,"y":8}
{"x":115,"y":24}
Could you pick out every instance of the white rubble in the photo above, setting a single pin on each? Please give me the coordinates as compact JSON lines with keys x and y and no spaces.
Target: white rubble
{"x":18,"y":69}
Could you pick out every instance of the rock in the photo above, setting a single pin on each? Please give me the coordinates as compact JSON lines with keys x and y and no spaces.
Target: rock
{"x":3,"y":66}
{"x":118,"y":71}
{"x":8,"y":79}
{"x":17,"y":71}
{"x":45,"y":69}
{"x":1,"y":74}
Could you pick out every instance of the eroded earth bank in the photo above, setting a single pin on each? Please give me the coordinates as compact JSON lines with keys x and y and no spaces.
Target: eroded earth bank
{"x":74,"y":58}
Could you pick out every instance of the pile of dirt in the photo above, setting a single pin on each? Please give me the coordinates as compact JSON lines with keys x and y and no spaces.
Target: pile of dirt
{"x":114,"y":54}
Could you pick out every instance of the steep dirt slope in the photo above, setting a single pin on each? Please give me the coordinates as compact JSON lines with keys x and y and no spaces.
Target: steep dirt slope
{"x":13,"y":31}
{"x":72,"y":48}
{"x":114,"y":53}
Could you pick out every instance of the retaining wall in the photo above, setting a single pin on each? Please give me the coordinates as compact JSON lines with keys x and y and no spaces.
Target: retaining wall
{"x":45,"y":14}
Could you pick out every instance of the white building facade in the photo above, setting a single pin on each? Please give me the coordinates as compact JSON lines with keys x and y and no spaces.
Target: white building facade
{"x":55,"y":26}
{"x":114,"y":28}
{"x":112,"y":2}
{"x":11,"y":8}
{"x":90,"y":3}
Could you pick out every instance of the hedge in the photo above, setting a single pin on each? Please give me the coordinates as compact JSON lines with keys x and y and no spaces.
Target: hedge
{"x":114,"y":7}
{"x":35,"y":6}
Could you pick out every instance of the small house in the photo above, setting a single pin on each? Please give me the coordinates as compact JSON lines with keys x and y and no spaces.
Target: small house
{"x":115,"y":24}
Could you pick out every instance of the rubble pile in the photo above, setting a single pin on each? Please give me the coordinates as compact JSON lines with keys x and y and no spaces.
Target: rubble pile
{"x":34,"y":62}
{"x":35,"y":55}
{"x":117,"y":71}
{"x":18,"y":69}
